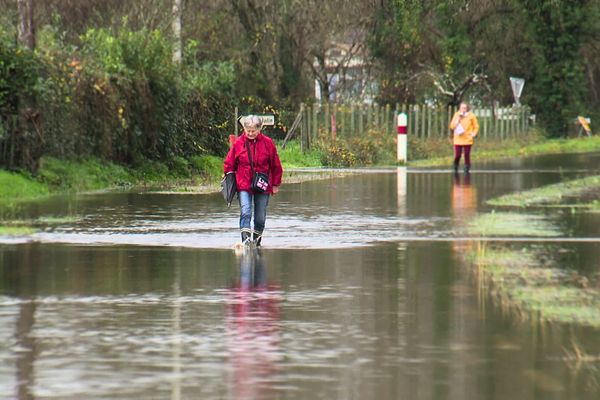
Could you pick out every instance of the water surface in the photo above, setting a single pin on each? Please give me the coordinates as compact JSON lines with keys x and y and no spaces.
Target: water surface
{"x":361,"y":291}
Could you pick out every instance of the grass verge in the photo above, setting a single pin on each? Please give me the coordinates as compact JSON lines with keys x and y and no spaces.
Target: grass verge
{"x":16,"y":230}
{"x":511,"y":224}
{"x":555,"y":194}
{"x":538,"y":289}
{"x":293,"y":157}
{"x":535,"y":144}
{"x":528,"y":280}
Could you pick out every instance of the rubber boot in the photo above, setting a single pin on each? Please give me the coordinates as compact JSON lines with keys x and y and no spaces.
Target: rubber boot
{"x":467,"y":169}
{"x":257,"y":238}
{"x":245,"y":237}
{"x":455,"y":167}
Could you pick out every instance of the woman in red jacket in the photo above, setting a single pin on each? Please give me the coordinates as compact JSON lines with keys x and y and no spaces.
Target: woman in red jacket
{"x":266,"y":160}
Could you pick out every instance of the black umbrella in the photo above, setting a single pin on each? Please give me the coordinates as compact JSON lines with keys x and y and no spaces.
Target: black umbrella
{"x":228,"y":187}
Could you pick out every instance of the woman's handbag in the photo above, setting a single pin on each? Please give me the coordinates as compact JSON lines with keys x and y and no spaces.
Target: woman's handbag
{"x":260,"y":181}
{"x":229,"y":187}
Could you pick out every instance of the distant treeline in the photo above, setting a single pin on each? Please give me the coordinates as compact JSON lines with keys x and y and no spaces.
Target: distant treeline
{"x":103,"y":77}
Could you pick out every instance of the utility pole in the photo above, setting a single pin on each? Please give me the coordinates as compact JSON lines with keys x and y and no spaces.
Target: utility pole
{"x":176,"y":26}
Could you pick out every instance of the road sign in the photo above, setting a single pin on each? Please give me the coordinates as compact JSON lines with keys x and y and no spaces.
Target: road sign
{"x":517,"y":87}
{"x":266,"y":119}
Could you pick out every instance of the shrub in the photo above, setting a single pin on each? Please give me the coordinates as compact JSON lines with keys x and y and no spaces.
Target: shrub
{"x":119,"y":97}
{"x":179,"y":167}
{"x":293,"y":157}
{"x":209,"y":167}
{"x":337,"y":155}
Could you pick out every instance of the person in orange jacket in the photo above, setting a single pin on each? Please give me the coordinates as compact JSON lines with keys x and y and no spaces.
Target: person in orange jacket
{"x":464,"y":127}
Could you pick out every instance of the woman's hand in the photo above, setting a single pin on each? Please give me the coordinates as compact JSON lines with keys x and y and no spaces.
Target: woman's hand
{"x":275,"y":190}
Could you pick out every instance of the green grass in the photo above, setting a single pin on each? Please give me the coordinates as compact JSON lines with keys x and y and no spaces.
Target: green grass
{"x":80,"y":176}
{"x":514,"y":148}
{"x":293,"y":157}
{"x":551,"y":194}
{"x":16,"y":230}
{"x":42,"y":221}
{"x":523,"y":282}
{"x":62,"y":176}
{"x":15,"y":186}
{"x":560,"y":304}
{"x":511,"y":224}
{"x":209,"y":167}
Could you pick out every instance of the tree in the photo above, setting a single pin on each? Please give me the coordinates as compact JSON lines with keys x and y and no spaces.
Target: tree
{"x":560,"y":30}
{"x":26,"y":28}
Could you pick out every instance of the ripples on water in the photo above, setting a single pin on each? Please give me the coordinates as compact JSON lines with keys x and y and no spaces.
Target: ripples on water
{"x":358,"y":314}
{"x":81,"y":341}
{"x":333,"y":231}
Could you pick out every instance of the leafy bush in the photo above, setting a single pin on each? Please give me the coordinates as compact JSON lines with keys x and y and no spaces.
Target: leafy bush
{"x":179,"y":167}
{"x":337,"y":155}
{"x":72,"y":175}
{"x":119,"y":97}
{"x":209,"y":167}
{"x":293,"y":157}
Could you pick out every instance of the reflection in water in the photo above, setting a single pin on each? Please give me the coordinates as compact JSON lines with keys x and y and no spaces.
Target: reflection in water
{"x":26,"y":354}
{"x":252,"y":325}
{"x":464,"y":198}
{"x":401,"y":180}
{"x":176,"y":335}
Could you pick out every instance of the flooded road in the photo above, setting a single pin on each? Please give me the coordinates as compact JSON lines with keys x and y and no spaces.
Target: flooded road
{"x":361,"y":291}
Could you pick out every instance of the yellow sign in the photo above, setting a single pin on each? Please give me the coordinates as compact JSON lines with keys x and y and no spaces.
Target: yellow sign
{"x":585,"y":123}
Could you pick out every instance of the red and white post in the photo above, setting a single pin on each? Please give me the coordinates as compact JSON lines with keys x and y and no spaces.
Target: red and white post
{"x":402,"y":139}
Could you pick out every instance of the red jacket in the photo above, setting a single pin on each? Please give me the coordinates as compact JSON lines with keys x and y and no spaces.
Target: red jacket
{"x":264,"y":156}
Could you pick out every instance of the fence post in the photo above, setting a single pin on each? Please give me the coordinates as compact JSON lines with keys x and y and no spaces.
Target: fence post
{"x":333,"y":119}
{"x":429,"y":118}
{"x":305,"y":133}
{"x":309,"y":120}
{"x":360,"y":119}
{"x":315,"y":124}
{"x":484,"y":123}
{"x":341,"y":118}
{"x":402,"y":139}
{"x":352,"y":125}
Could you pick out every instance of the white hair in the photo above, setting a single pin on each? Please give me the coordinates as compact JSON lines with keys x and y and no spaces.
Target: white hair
{"x":252,"y":121}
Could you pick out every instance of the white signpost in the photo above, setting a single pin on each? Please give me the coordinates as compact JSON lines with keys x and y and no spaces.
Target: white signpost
{"x":402,"y":140}
{"x":517,"y":88}
{"x":266,"y":119}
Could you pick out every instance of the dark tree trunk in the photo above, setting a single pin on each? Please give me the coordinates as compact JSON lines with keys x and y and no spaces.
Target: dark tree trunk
{"x":26,"y":26}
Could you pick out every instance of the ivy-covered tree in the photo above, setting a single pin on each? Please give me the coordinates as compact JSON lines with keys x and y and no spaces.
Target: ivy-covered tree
{"x":560,"y":30}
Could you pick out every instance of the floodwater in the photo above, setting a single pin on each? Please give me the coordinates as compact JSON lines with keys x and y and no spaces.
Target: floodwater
{"x":361,"y":291}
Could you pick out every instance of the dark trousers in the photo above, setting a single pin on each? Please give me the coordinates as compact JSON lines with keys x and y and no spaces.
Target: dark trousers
{"x":458,"y":150}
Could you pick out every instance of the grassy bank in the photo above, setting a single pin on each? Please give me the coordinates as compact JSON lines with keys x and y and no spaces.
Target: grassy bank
{"x":202,"y":173}
{"x":64,"y":176}
{"x":584,"y":192}
{"x":535,"y":144}
{"x":538,"y":289}
{"x":531,"y":279}
{"x":511,"y":224}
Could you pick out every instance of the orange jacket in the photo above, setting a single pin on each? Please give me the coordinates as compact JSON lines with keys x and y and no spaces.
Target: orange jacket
{"x":470,"y":126}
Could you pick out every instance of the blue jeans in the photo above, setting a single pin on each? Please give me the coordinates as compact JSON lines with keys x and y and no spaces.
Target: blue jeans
{"x":261,"y":201}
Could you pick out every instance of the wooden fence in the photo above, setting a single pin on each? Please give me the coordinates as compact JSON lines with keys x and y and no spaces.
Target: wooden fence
{"x":424,"y":121}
